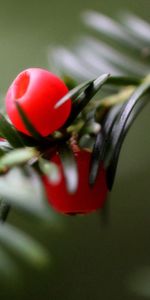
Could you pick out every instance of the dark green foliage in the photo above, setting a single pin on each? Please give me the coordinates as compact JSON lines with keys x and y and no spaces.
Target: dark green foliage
{"x":121,"y":54}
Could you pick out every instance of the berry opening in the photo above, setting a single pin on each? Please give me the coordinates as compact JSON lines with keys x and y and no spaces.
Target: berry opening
{"x":21,"y":85}
{"x":37,"y":91}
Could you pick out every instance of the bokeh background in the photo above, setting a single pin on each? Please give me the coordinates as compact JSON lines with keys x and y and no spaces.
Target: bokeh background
{"x":89,"y":261}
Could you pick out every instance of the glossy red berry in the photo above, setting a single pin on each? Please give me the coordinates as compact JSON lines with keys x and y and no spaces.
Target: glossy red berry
{"x":86,"y":199}
{"x":37,"y":91}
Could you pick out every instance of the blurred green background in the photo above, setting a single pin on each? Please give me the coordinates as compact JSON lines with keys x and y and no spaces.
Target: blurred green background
{"x":89,"y":261}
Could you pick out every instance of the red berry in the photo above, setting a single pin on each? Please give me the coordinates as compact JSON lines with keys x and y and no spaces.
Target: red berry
{"x":37,"y":91}
{"x":86,"y":199}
